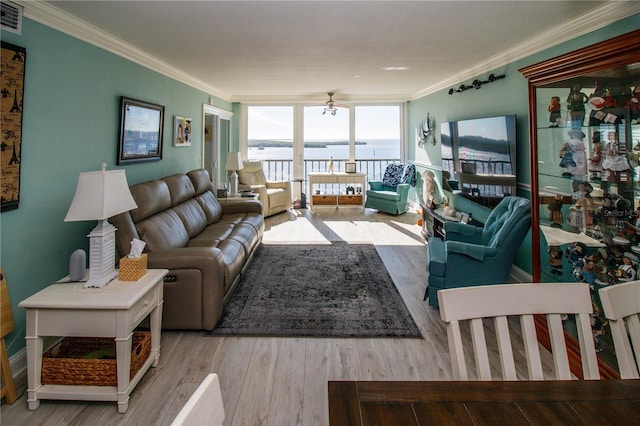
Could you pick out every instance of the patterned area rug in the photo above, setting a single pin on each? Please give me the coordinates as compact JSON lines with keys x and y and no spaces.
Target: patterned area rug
{"x":332,"y":290}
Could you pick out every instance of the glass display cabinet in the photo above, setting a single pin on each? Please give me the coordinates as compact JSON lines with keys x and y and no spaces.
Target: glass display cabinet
{"x":585,"y":174}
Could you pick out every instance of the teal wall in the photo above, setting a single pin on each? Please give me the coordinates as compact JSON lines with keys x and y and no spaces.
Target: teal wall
{"x":506,"y":96}
{"x":70,"y":125}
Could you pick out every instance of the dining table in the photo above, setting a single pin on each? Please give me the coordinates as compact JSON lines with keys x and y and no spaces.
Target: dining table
{"x":551,"y":402}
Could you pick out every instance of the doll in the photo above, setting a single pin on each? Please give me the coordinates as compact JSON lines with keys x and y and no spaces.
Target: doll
{"x":634,"y":106}
{"x":555,"y":211}
{"x":627,"y":271}
{"x":595,"y":162}
{"x":555,"y":259}
{"x":566,"y":155}
{"x":579,"y":172}
{"x":575,"y":105}
{"x":554,"y":111}
{"x":615,"y":164}
{"x":598,"y":94}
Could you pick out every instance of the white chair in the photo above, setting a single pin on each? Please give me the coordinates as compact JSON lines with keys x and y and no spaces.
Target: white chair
{"x":524,"y":300}
{"x":205,"y":406}
{"x":621,"y":305}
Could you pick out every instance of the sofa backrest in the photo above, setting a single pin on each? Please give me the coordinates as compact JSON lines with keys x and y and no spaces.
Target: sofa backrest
{"x":170,"y":211}
{"x":508,"y":223}
{"x":252,"y":174}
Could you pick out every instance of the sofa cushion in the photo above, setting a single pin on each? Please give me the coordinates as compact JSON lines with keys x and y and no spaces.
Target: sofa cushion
{"x":151,"y":197}
{"x":163,"y":231}
{"x":192,"y":216}
{"x":200,"y":180}
{"x":210,"y":206}
{"x":180,"y":188}
{"x":384,"y":195}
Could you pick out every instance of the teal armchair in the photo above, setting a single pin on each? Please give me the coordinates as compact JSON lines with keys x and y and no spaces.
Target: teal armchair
{"x":391,"y":195}
{"x":470,"y":256}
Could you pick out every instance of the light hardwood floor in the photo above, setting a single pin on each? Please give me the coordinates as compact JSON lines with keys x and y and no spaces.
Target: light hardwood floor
{"x":281,"y":381}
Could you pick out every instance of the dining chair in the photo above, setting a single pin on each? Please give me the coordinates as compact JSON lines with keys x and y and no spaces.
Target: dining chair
{"x":621,"y":305}
{"x":205,"y":406}
{"x":500,"y":301}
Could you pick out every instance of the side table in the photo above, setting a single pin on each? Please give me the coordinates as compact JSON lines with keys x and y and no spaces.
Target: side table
{"x":115,"y":310}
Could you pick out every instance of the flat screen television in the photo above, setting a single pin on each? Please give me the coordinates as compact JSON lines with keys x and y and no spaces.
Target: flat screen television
{"x":479,"y":157}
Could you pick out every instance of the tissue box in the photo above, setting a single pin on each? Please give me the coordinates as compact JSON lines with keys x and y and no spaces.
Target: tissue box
{"x":132,"y":269}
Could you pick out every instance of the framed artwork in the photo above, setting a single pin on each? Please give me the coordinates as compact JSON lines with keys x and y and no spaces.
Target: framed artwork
{"x":141,"y":125}
{"x":181,"y":131}
{"x":350,"y":167}
{"x":464,"y":218}
{"x":12,"y":68}
{"x":429,"y":202}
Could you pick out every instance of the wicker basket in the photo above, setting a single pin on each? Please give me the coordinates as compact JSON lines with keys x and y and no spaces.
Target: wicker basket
{"x":67,"y":363}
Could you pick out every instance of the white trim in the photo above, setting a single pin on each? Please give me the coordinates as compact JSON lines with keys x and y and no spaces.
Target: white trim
{"x":57,"y":19}
{"x":607,"y":14}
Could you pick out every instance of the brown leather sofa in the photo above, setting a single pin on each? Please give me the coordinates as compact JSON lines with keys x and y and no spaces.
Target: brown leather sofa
{"x":205,"y":245}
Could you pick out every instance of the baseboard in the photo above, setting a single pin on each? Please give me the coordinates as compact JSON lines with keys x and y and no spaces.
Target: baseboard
{"x":18,"y":365}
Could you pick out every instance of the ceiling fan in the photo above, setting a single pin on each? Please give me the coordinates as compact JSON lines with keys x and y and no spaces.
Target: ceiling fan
{"x":332,"y":106}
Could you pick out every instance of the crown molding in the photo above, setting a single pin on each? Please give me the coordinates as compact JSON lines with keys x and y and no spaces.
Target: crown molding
{"x":50,"y":16}
{"x":598,"y":18}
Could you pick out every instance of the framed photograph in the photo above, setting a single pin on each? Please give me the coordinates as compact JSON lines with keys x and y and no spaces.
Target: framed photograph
{"x":181,"y":131}
{"x":350,"y":167}
{"x":141,"y":125}
{"x":464,"y":218}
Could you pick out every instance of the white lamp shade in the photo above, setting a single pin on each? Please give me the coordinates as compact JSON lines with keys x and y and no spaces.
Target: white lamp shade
{"x":234,"y":161}
{"x":100,"y":195}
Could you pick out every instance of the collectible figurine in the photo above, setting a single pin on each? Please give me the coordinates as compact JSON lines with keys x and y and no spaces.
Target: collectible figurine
{"x":575,"y":105}
{"x":566,"y":162}
{"x":596,"y":103}
{"x":555,"y":260}
{"x":615,"y":164}
{"x":555,"y":211}
{"x":627,"y":271}
{"x":579,"y":172}
{"x":595,"y":162}
{"x":554,"y":111}
{"x":634,"y":106}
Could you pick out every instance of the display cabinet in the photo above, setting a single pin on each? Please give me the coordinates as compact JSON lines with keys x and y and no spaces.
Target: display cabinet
{"x":585,"y":173}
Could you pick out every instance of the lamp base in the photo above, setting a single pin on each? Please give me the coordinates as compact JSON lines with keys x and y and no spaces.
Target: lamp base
{"x":233,"y":185}
{"x":102,"y":255}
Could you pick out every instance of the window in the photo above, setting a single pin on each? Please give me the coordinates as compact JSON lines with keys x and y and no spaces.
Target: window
{"x":270,"y":133}
{"x":377,"y":132}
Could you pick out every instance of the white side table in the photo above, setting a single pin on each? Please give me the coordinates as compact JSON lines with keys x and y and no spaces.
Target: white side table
{"x":112,"y":311}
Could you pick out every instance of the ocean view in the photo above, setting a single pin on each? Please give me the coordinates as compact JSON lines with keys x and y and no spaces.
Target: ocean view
{"x":376,"y":149}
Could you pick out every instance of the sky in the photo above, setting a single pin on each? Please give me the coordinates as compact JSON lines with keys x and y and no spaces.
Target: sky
{"x":372,"y":122}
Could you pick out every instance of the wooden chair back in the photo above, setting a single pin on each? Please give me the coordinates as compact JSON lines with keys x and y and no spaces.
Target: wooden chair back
{"x":205,"y":407}
{"x":621,"y":305}
{"x":500,"y":301}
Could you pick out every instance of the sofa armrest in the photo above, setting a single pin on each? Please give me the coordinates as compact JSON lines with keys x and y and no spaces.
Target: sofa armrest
{"x":474,"y":251}
{"x":456,"y":231}
{"x":376,"y":185}
{"x":244,"y":207}
{"x":279,"y":184}
{"x":210,"y":291}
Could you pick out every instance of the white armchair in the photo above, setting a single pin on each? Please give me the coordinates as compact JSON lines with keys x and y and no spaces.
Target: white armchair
{"x":274,"y":195}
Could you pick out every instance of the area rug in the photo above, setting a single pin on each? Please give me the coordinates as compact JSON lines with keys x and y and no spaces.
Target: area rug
{"x":322,"y":290}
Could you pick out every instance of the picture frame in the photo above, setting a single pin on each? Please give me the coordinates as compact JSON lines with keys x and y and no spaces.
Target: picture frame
{"x":181,"y":131}
{"x":350,"y":167}
{"x":141,"y":131}
{"x":12,"y":66}
{"x":464,"y":218}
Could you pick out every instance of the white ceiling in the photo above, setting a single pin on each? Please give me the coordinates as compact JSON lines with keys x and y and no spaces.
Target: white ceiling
{"x":270,"y":50}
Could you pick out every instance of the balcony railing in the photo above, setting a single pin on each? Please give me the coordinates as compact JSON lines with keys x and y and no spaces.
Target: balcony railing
{"x":279,"y":170}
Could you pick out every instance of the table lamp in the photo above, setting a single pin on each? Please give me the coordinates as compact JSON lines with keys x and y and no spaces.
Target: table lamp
{"x":234,"y":163}
{"x":100,"y":195}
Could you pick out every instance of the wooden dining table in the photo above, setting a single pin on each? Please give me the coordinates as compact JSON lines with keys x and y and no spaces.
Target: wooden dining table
{"x":552,"y":402}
